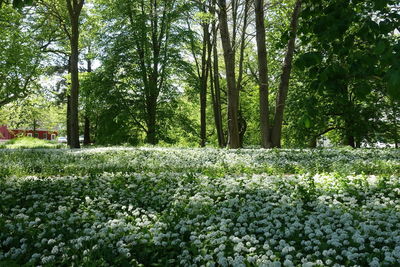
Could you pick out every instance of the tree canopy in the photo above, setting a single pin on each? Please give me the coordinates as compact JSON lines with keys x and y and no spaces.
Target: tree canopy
{"x":224,"y":73}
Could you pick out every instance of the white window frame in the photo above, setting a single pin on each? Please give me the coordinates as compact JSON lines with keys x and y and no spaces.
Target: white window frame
{"x":29,"y":134}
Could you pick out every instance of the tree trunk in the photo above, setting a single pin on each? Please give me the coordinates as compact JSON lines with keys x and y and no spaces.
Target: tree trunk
{"x":262,"y":73}
{"x":217,"y":90}
{"x":203,"y":86}
{"x":74,"y":10}
{"x":34,"y":127}
{"x":242,"y":124}
{"x":233,"y":93}
{"x":151,"y":122}
{"x":69,"y":108}
{"x":242,"y":128}
{"x":349,"y":140}
{"x":68,"y":120}
{"x":74,"y":87}
{"x":395,"y":126}
{"x":276,"y":134}
{"x":313,"y":142}
{"x":86,"y":133}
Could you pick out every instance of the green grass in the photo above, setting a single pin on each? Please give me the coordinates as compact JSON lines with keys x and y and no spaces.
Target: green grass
{"x":152,"y":206}
{"x":30,"y":142}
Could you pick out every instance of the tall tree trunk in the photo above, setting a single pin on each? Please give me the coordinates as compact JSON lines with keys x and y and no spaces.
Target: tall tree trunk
{"x":151,"y":121}
{"x":233,"y":93}
{"x":74,"y":87}
{"x":68,"y":120}
{"x":350,"y":140}
{"x":74,"y":10}
{"x":262,"y":73}
{"x":313,"y":142}
{"x":242,"y":124}
{"x":34,"y":127}
{"x":217,"y":90}
{"x":86,"y":132}
{"x":395,"y":126}
{"x":276,"y":134}
{"x":159,"y":30}
{"x":151,"y":106}
{"x":69,"y":108}
{"x":203,"y":86}
{"x":242,"y":127}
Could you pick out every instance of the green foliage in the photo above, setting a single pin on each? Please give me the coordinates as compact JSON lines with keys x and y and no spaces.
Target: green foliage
{"x":31,"y":143}
{"x":308,"y":60}
{"x":347,"y":72}
{"x":22,"y":3}
{"x":19,"y":57}
{"x":33,"y":112}
{"x":139,"y":72}
{"x":393,"y":82}
{"x":345,"y":83}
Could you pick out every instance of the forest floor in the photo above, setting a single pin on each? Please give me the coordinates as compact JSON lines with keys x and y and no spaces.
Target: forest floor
{"x":192,"y":207}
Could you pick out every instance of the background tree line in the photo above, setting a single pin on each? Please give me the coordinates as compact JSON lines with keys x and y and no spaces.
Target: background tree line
{"x":223,"y":72}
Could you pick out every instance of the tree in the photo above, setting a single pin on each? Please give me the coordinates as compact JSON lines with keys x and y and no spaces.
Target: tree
{"x":263,"y":73}
{"x":74,"y":11}
{"x":66,"y":14}
{"x":276,"y":132}
{"x":233,"y":92}
{"x":202,"y":65}
{"x":215,"y":83}
{"x":352,"y":66}
{"x":143,"y":46}
{"x":19,"y":56}
{"x":89,"y":38}
{"x":35,"y":111}
{"x":271,"y":135}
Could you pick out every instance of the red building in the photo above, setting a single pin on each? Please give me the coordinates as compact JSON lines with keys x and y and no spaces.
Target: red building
{"x":6,"y":134}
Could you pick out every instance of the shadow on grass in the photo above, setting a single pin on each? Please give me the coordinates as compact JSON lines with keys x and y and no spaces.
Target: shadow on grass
{"x":145,"y":210}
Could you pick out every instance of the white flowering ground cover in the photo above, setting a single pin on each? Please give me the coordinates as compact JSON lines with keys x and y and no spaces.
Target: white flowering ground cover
{"x":199,"y":207}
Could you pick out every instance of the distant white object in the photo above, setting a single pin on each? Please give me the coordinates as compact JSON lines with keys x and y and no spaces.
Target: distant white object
{"x":62,"y":139}
{"x":324,"y":141}
{"x":378,"y":145}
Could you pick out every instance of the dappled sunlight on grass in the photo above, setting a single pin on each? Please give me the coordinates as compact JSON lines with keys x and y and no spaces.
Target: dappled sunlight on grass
{"x":30,"y":143}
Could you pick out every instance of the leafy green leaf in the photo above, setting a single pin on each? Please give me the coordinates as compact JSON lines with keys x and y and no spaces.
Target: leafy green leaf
{"x":18,"y":3}
{"x":380,"y":47}
{"x":393,"y":83}
{"x":308,"y":60}
{"x":305,"y":121}
{"x":361,"y":89}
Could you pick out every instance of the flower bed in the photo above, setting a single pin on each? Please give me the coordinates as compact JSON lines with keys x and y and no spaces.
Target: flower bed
{"x":169,"y":207}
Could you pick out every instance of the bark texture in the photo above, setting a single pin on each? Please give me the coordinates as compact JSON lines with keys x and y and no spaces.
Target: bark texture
{"x":203,"y":85}
{"x":86,"y":130}
{"x":276,"y":134}
{"x":233,"y":93}
{"x":74,"y":11}
{"x":216,"y":90}
{"x":262,"y":74}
